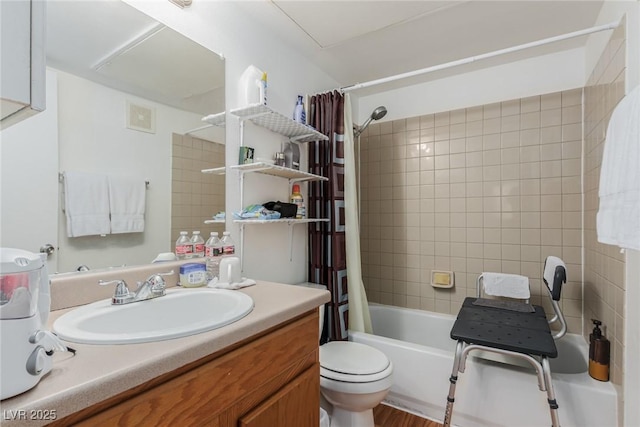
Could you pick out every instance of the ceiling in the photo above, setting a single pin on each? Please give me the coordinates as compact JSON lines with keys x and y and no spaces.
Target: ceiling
{"x":358,"y":41}
{"x":352,"y":41}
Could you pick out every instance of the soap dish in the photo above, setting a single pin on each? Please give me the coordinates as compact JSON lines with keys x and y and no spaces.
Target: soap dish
{"x":442,"y":279}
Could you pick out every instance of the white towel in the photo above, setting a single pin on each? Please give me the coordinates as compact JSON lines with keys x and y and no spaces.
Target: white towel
{"x":127,"y":204}
{"x":214,"y":283}
{"x":618,"y":220}
{"x":506,"y":285}
{"x":86,"y":202}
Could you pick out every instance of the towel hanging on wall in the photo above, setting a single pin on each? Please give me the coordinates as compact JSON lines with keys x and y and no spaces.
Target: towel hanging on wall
{"x":618,"y":219}
{"x":127,"y":204}
{"x":86,"y":204}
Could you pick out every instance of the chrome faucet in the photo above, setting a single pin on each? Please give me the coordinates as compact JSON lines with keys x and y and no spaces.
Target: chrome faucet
{"x":153,"y":287}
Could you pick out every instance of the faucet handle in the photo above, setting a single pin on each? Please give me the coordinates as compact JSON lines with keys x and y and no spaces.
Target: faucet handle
{"x":122,"y":292}
{"x":157,"y":282}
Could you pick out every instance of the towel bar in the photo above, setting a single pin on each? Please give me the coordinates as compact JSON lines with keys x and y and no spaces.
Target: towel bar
{"x":61,"y":179}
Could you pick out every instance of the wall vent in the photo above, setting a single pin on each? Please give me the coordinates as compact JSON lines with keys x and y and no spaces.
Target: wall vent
{"x":141,"y":118}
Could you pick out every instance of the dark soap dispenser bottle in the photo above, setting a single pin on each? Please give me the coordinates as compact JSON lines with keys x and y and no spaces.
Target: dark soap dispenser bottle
{"x":599,"y":351}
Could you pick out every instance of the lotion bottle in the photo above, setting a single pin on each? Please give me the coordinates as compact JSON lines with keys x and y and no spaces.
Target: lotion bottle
{"x":599,"y":351}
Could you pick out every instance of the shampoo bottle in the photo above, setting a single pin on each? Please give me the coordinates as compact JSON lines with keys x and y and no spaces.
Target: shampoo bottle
{"x":599,"y":350}
{"x":299,"y":114}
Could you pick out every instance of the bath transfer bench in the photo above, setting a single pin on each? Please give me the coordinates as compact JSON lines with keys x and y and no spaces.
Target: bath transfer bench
{"x":511,"y":328}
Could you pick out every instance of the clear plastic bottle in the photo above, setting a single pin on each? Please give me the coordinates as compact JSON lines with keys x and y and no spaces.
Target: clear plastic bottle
{"x":198,"y":245}
{"x":213,"y":254}
{"x":228,"y":245}
{"x":184,"y":247}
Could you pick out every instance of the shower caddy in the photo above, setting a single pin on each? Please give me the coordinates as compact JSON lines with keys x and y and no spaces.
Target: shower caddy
{"x":263,"y":116}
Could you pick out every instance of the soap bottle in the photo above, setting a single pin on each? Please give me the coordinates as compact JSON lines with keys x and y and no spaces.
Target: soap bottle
{"x":299,"y":114}
{"x":599,"y":351}
{"x":296,"y":198}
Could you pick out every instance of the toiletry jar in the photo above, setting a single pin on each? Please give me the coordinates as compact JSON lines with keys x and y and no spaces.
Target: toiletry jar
{"x":193,"y":275}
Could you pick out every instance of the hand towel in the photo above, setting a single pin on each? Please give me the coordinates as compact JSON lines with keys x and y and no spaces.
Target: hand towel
{"x":86,"y":202}
{"x":618,"y":219}
{"x":214,"y":283}
{"x":506,"y":285}
{"x":127,"y":204}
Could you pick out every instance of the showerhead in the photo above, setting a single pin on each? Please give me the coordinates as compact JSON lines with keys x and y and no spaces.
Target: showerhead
{"x":377,"y":114}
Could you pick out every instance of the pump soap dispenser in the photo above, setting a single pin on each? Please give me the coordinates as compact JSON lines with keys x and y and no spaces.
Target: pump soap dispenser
{"x":599,"y":351}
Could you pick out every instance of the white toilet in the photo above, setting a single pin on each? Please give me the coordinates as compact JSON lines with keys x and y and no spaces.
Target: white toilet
{"x":354,"y":378}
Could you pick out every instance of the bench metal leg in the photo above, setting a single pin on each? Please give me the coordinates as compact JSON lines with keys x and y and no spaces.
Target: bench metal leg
{"x":452,"y":386}
{"x":551,"y":396}
{"x":543,"y":371}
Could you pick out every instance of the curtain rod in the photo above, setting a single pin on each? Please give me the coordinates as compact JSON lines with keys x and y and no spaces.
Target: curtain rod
{"x":470,"y":59}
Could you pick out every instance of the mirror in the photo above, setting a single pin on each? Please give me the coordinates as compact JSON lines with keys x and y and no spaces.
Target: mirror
{"x":131,"y":96}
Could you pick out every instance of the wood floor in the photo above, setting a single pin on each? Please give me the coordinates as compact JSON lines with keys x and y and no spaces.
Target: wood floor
{"x":386,"y":416}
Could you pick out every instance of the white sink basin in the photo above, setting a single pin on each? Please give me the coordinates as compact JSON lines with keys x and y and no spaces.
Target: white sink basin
{"x":179,"y":313}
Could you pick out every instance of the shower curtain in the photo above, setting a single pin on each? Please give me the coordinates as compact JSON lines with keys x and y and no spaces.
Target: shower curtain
{"x":359,"y":317}
{"x":328,"y":240}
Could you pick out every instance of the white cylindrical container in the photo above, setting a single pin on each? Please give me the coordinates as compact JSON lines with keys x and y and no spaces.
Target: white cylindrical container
{"x":251,"y":88}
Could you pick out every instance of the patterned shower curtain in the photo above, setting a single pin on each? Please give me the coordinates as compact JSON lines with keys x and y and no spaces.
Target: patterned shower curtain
{"x":327,"y":248}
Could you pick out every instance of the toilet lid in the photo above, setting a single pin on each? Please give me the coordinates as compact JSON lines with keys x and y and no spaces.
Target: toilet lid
{"x":351,"y":358}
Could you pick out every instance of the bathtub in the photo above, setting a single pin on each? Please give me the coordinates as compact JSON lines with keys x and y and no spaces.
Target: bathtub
{"x":488,"y":393}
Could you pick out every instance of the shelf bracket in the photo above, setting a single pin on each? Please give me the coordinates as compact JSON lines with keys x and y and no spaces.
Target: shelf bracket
{"x":241,"y":248}
{"x":241,"y":133}
{"x":290,"y":226}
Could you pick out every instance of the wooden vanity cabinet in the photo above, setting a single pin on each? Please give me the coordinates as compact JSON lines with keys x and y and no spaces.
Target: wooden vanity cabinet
{"x":270,"y":381}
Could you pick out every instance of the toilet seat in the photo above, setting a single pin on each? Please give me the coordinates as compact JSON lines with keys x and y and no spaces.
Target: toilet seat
{"x":352,"y":362}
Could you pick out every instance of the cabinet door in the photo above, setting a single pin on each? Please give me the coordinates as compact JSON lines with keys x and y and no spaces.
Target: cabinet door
{"x":22,"y":76}
{"x":296,"y":404}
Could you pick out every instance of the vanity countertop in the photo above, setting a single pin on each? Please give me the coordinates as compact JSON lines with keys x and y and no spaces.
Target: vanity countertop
{"x":98,"y":372}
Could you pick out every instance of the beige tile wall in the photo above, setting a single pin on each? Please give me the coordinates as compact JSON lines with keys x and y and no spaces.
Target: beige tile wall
{"x":490,"y":188}
{"x":604,"y":288}
{"x":195,"y":196}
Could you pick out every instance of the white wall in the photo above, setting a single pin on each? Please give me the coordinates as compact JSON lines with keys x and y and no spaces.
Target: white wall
{"x":94,"y":138}
{"x":224,"y":28}
{"x":613,"y":11}
{"x":535,"y":76}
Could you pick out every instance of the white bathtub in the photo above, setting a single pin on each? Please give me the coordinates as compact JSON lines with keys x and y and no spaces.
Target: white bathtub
{"x":488,"y":393}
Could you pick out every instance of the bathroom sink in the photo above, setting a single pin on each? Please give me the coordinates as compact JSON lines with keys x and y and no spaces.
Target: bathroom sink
{"x":179,"y":313}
